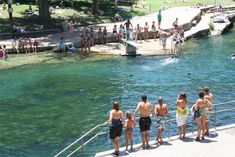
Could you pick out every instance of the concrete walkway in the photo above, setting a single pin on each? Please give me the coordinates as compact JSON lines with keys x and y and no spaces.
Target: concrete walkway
{"x":220,"y":143}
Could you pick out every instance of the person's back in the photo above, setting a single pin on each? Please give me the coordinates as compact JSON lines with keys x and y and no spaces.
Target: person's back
{"x":161,"y":110}
{"x":145,"y":109}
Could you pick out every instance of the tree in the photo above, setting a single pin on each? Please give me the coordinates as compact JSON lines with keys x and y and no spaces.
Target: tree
{"x":44,"y":13}
{"x":95,"y":7}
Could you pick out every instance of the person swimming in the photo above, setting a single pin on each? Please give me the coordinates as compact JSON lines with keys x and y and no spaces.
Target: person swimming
{"x":233,"y":57}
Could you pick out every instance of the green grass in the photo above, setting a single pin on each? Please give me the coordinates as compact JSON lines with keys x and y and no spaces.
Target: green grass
{"x":81,"y":14}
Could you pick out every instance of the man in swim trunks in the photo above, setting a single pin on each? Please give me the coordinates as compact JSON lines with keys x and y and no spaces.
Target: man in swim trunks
{"x":145,"y":109}
{"x":208,"y":96}
{"x":115,"y":120}
{"x":161,"y":111}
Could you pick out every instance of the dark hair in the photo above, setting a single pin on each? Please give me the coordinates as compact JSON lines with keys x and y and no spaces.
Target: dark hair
{"x":160,"y":100}
{"x":206,"y":89}
{"x":182,"y":95}
{"x":116,"y":106}
{"x":144,"y":97}
{"x":201,"y":94}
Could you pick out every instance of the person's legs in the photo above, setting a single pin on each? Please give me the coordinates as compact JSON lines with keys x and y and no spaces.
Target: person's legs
{"x":127,"y":140}
{"x":147,"y":139}
{"x":161,"y":131}
{"x":203,"y":126}
{"x":118,"y":143}
{"x":143,"y":135}
{"x":158,"y":135}
{"x":199,"y":123}
{"x":131,"y":139}
{"x":180,"y":131}
{"x":114,"y":144}
{"x":207,"y":127}
{"x":185,"y":130}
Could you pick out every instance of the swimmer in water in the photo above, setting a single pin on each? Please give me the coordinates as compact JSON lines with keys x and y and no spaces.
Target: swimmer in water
{"x":233,"y":57}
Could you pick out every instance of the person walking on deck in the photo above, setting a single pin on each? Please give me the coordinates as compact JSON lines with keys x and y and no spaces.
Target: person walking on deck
{"x":146,"y":31}
{"x":181,"y":114}
{"x":145,"y":109}
{"x":62,"y":45}
{"x":154,"y":30}
{"x":208,"y":96}
{"x":128,"y":29}
{"x":159,"y":17}
{"x":201,"y":106}
{"x":161,"y":111}
{"x":115,"y":121}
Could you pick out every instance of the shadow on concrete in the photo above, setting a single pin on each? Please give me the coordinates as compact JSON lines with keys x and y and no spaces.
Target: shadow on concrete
{"x":213,"y":135}
{"x":188,"y":139}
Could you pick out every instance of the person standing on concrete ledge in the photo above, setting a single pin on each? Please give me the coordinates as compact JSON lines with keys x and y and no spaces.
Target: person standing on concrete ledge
{"x":208,"y":96}
{"x":161,"y":111}
{"x":145,"y":109}
{"x":182,"y":114}
{"x":115,"y":120}
{"x":202,"y":105}
{"x":159,"y":17}
{"x":128,"y":29}
{"x":62,"y":45}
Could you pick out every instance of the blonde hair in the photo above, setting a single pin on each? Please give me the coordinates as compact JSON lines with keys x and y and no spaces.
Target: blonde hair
{"x":128,"y":115}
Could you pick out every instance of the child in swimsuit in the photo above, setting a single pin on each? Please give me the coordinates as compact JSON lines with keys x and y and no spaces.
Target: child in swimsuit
{"x":129,"y":124}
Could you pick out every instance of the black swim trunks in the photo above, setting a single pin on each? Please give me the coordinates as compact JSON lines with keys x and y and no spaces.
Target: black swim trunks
{"x":145,"y":123}
{"x":115,"y":131}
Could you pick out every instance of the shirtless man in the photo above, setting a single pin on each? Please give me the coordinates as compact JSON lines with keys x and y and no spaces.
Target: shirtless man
{"x":209,"y":97}
{"x":115,"y":121}
{"x":128,"y":29}
{"x":145,"y":109}
{"x":161,"y":110}
{"x":202,"y":104}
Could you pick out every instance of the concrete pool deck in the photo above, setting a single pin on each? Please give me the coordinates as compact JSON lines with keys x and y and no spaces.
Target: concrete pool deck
{"x":219,"y":143}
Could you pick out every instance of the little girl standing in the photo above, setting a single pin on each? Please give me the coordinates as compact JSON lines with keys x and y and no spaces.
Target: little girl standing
{"x":129,"y":125}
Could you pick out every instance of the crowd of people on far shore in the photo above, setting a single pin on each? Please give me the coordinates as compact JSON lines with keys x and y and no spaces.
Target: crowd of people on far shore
{"x":126,"y":30}
{"x":100,"y":35}
{"x":200,"y":110}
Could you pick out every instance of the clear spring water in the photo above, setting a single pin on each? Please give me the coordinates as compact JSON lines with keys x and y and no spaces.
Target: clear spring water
{"x":44,"y":107}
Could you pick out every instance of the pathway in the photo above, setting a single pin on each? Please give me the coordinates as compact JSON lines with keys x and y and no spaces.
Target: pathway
{"x":220,"y":143}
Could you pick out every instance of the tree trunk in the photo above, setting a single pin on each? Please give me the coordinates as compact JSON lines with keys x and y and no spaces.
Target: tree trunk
{"x":72,"y":3}
{"x":44,"y":13}
{"x":95,"y":7}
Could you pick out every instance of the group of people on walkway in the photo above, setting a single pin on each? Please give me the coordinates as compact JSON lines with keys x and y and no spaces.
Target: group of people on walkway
{"x":200,"y":110}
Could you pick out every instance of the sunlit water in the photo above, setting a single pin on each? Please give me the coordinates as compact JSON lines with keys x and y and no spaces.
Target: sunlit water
{"x":44,"y":107}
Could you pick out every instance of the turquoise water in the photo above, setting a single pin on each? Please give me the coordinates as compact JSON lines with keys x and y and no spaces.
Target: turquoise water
{"x":44,"y":107}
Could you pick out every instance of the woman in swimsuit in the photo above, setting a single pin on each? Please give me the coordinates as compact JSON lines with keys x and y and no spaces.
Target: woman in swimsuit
{"x":181,"y":114}
{"x":115,"y":120}
{"x":202,"y":105}
{"x":129,"y":125}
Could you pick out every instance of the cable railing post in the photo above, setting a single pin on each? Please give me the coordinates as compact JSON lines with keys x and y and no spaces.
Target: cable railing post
{"x":215,"y":116}
{"x":192,"y":124}
{"x":82,"y":146}
{"x":169,"y":126}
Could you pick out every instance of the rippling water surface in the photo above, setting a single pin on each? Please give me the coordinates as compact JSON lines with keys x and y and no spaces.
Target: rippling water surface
{"x":44,"y":107}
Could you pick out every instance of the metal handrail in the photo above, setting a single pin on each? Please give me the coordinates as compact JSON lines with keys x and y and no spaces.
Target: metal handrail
{"x":79,"y":139}
{"x":88,"y":141}
{"x":168,"y":120}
